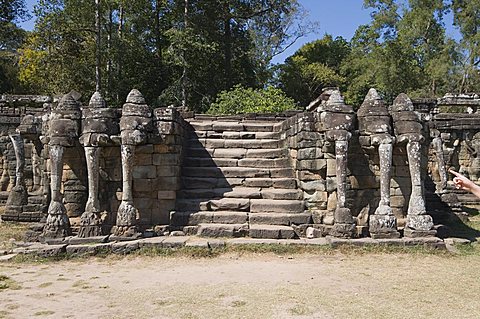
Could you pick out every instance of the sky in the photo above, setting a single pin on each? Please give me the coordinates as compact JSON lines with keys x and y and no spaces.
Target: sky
{"x":335,"y":17}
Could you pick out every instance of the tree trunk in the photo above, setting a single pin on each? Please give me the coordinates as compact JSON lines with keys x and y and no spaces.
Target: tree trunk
{"x":184,"y":79}
{"x":228,"y":51}
{"x":98,"y":49}
{"x":120,"y":56}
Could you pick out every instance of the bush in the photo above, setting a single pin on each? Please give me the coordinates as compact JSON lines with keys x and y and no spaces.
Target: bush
{"x":240,"y":100}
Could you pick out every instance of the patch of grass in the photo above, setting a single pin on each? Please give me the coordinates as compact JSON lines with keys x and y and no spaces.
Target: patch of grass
{"x":11,"y":230}
{"x":4,"y":314}
{"x":300,"y":310}
{"x":45,"y":285}
{"x":82,"y":284}
{"x":8,"y":283}
{"x":44,"y":313}
{"x":238,"y":303}
{"x":193,"y":252}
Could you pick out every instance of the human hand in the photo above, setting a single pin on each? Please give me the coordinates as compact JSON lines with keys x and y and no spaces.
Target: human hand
{"x":461,"y":182}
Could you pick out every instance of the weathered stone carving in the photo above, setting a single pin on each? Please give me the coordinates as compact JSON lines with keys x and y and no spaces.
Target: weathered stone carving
{"x":135,"y":124}
{"x":374,"y":124}
{"x":437,"y":146}
{"x":338,"y":120}
{"x":63,"y":131}
{"x":18,"y":195}
{"x":473,"y":147}
{"x":98,"y":125}
{"x":30,"y":129}
{"x":408,"y":129}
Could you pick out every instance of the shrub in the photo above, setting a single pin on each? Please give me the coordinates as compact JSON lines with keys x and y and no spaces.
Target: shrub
{"x":241,"y":100}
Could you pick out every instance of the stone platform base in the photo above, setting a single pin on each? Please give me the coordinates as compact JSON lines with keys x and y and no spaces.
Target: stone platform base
{"x":74,"y":246}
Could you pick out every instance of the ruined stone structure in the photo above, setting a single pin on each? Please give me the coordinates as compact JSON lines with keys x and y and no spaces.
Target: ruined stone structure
{"x":379,"y":171}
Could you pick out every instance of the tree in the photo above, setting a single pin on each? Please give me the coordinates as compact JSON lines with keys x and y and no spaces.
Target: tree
{"x":403,"y":49}
{"x":467,"y":19}
{"x":314,"y":66}
{"x":11,"y":37}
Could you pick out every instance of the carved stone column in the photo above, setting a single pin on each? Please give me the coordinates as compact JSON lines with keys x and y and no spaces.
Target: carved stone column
{"x":18,"y":195}
{"x":90,"y":222}
{"x":437,"y":146}
{"x":376,"y":131}
{"x":57,"y":224}
{"x":63,"y":131}
{"x":135,"y":124}
{"x":338,"y":121}
{"x":408,"y":129}
{"x":98,"y":125}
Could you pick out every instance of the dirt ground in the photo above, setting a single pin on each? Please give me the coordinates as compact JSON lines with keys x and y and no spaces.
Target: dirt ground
{"x":246,"y":286}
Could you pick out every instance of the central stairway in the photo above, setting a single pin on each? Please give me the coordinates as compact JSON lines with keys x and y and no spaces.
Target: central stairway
{"x":237,"y":180}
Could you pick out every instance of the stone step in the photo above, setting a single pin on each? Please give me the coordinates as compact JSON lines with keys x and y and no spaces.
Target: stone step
{"x":233,"y":162}
{"x":238,"y":153}
{"x":236,"y":192}
{"x":178,"y":218}
{"x":222,"y":204}
{"x":222,"y":182}
{"x":245,"y":162}
{"x":234,"y":126}
{"x":242,"y":204}
{"x":222,"y":230}
{"x":271,"y":231}
{"x":235,"y":143}
{"x":243,"y":172}
{"x":279,"y":218}
{"x":241,"y":192}
{"x":236,"y":135}
{"x":276,"y":206}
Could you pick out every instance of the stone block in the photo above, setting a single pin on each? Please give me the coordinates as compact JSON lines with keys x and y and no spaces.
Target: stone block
{"x":125,"y":247}
{"x":174,"y":242}
{"x":222,"y":230}
{"x":282,"y":173}
{"x":197,"y":243}
{"x":313,"y":186}
{"x":279,"y":218}
{"x":278,"y":193}
{"x":248,"y":172}
{"x":230,"y":153}
{"x":269,"y":163}
{"x":276,"y":206}
{"x":314,"y":165}
{"x":142,"y":185}
{"x":271,"y":231}
{"x":237,"y":192}
{"x":143,"y":159}
{"x":144,"y":171}
{"x":168,"y":171}
{"x":266,"y":153}
{"x":230,"y":204}
{"x":397,"y":201}
{"x":166,"y":159}
{"x":166,"y":194}
{"x":230,"y":217}
{"x":331,"y":167}
{"x":316,"y":197}
{"x":190,"y":219}
{"x":152,"y":242}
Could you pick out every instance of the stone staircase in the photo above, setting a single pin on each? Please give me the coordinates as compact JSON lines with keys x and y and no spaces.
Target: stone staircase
{"x":237,"y":181}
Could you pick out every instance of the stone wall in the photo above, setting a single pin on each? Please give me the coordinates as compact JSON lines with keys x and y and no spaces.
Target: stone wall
{"x":313,"y":140}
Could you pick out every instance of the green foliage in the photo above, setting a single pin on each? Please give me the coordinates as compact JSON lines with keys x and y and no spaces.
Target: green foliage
{"x":467,"y":19}
{"x":242,"y":100}
{"x":174,"y":52}
{"x":314,"y":66}
{"x":404,"y":49}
